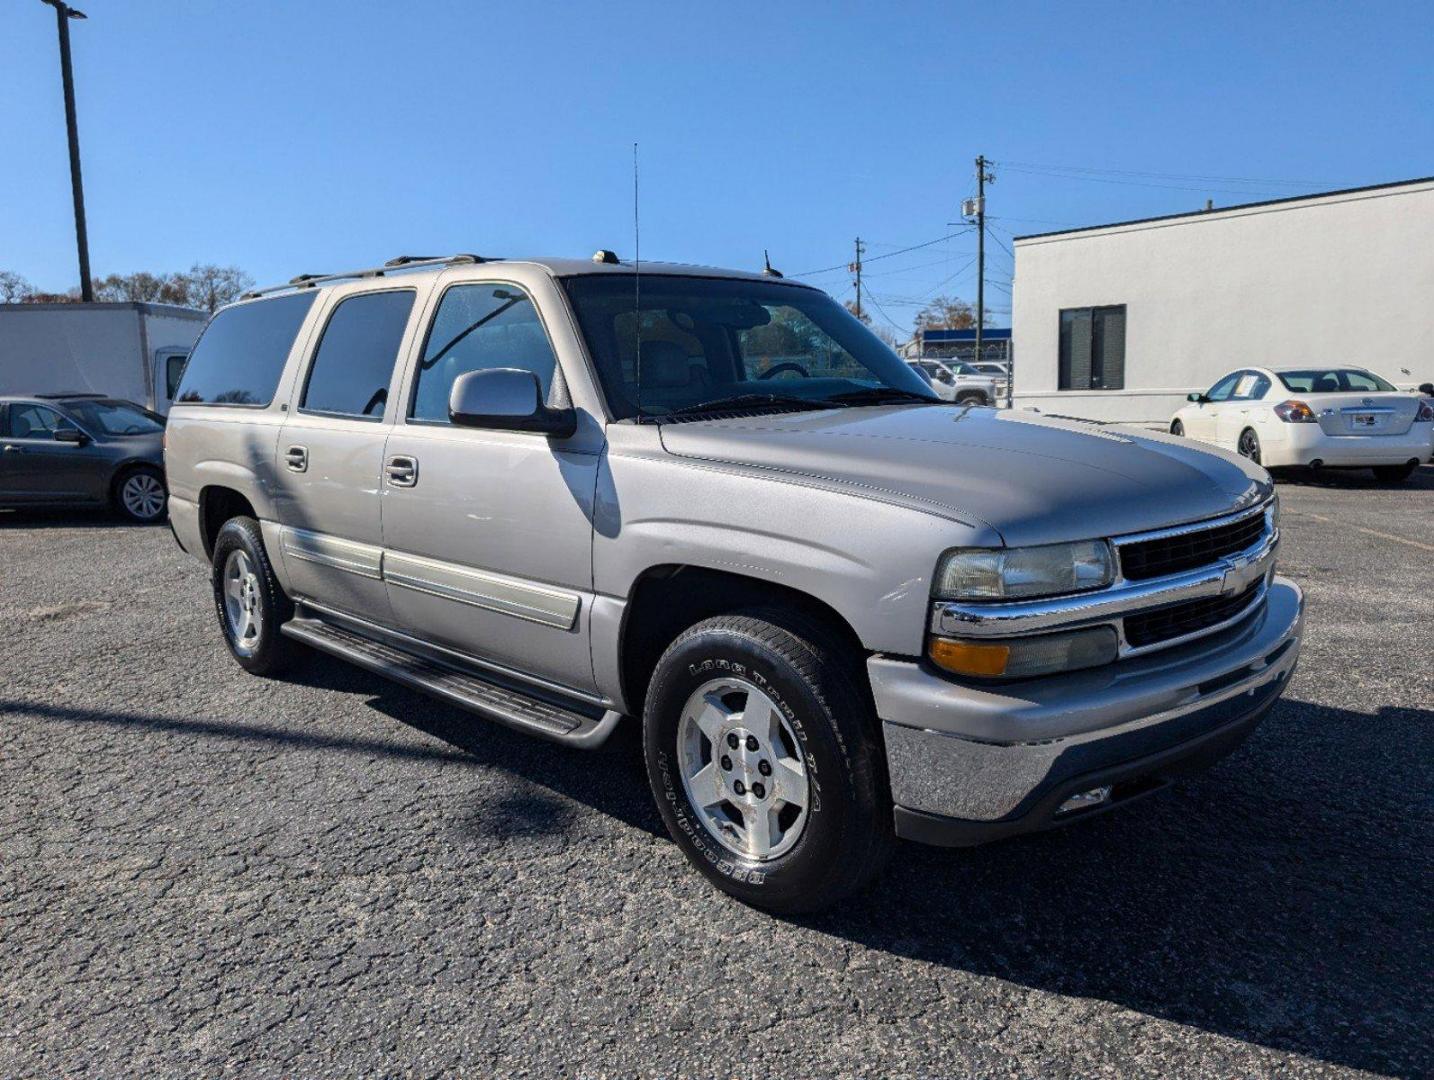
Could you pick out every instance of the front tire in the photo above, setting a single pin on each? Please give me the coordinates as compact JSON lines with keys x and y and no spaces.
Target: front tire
{"x":763,"y":754}
{"x":972,"y":398}
{"x":1177,"y":429}
{"x":1393,"y":474}
{"x":139,"y":495}
{"x":248,"y":600}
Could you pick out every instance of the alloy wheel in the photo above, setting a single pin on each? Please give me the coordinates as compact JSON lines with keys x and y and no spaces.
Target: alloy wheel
{"x":742,"y":768}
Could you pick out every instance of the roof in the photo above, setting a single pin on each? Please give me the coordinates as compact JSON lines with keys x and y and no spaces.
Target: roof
{"x":1196,"y":215}
{"x":421,"y":265}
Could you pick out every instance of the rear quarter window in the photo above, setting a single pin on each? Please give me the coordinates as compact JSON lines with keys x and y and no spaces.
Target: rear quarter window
{"x":241,"y":354}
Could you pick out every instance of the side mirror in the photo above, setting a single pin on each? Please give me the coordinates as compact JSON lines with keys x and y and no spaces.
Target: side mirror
{"x":1427,"y":389}
{"x":1196,"y":397}
{"x":506,"y":399}
{"x":70,"y":435}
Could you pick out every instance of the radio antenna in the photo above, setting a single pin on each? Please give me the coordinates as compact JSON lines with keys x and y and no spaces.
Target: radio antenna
{"x":636,"y":284}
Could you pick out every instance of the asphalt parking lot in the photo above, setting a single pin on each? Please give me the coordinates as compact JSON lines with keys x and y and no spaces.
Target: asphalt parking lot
{"x":205,"y":873}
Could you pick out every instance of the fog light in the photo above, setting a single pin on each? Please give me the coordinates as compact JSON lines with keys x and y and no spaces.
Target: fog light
{"x":1084,"y":800}
{"x":1016,"y":658}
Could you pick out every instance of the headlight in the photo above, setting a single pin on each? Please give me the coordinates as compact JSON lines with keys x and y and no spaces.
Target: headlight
{"x":1017,"y":658}
{"x":1016,"y":573}
{"x":1272,"y":515}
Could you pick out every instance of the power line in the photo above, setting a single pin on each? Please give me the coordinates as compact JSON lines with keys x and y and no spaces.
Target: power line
{"x":886,"y":255}
{"x":884,"y":315}
{"x":1245,"y":192}
{"x":1170,"y":176}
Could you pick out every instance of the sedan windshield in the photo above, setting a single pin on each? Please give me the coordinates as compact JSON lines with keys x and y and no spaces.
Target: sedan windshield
{"x":714,"y":344}
{"x":115,"y":417}
{"x":1333,"y":381}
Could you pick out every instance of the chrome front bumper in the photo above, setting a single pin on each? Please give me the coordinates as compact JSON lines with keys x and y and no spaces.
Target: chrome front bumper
{"x":995,"y":759}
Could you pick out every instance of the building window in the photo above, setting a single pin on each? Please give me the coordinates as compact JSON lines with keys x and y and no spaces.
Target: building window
{"x":1092,"y":350}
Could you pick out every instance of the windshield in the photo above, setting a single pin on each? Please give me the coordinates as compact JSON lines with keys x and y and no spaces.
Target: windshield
{"x":1333,"y":381}
{"x":707,"y":341}
{"x":115,"y":418}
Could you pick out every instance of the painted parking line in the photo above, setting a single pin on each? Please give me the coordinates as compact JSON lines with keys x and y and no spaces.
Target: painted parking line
{"x":1360,"y":528}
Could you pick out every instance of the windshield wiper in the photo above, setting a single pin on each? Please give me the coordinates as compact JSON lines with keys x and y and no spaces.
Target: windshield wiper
{"x":878,"y":395}
{"x":746,"y":401}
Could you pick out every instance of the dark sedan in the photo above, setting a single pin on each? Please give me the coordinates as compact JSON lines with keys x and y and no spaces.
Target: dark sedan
{"x":82,"y":450}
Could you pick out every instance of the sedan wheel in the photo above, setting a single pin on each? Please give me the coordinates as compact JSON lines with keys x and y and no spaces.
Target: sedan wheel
{"x":1250,"y":445}
{"x":142,"y":496}
{"x":1177,"y":428}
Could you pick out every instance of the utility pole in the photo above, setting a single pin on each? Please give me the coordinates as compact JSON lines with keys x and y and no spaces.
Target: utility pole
{"x":855,"y":268}
{"x":983,"y":177}
{"x":63,"y":14}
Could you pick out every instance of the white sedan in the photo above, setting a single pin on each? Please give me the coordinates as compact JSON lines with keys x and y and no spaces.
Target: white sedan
{"x":1333,"y":417}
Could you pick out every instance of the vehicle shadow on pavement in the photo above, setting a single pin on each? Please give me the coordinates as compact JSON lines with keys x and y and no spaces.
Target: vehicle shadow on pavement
{"x":609,"y":779}
{"x":1282,"y":899}
{"x":1354,"y":480}
{"x":98,"y":518}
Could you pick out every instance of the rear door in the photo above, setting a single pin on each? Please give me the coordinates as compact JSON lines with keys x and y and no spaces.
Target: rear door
{"x":1237,"y":413}
{"x":488,"y":534}
{"x":330,"y":453}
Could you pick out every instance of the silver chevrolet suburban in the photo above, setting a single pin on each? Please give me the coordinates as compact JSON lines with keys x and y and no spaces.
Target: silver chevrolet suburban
{"x":559,"y":493}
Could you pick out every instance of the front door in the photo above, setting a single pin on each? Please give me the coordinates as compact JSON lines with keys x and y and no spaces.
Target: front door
{"x":35,"y":467}
{"x":488,"y":534}
{"x":1200,"y":422}
{"x":330,"y":456}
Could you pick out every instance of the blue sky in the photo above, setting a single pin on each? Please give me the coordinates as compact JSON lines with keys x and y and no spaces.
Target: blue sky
{"x":294,"y":137}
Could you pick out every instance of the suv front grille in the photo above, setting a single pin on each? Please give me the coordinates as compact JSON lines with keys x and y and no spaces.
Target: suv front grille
{"x":1187,"y":551}
{"x":1177,"y":620}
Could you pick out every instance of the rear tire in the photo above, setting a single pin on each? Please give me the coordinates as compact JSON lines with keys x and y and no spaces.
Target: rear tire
{"x":140,"y":496}
{"x":761,"y":715}
{"x":1393,"y":474}
{"x":248,"y":600}
{"x":1249,"y":445}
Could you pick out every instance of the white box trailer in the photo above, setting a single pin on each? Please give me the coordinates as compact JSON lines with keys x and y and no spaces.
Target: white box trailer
{"x":134,"y":351}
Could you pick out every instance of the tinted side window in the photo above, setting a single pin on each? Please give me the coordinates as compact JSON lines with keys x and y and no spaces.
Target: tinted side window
{"x":242,"y":351}
{"x":354,"y":361}
{"x":173,"y":372}
{"x":1222,"y":389}
{"x":478,"y":327}
{"x":35,"y":422}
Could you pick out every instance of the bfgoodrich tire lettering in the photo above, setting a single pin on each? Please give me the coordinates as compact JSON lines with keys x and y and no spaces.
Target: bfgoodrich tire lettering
{"x":845,"y":834}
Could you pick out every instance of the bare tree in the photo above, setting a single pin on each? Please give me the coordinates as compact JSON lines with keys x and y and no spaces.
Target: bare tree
{"x":210,"y":287}
{"x":946,"y":313}
{"x":13,"y":287}
{"x":142,"y":286}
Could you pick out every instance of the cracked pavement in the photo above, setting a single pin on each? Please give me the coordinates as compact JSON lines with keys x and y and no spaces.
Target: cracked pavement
{"x":206,"y":873}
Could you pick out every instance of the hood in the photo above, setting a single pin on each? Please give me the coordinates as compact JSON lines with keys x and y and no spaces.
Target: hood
{"x":1033,"y":479}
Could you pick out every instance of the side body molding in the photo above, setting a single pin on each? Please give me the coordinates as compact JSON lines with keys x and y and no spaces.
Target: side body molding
{"x":519,"y":598}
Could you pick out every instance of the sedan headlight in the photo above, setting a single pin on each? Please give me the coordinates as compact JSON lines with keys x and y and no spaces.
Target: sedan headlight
{"x":1018,"y":573}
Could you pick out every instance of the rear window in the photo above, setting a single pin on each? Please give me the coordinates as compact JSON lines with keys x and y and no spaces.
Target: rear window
{"x":242,"y":351}
{"x":1333,"y":381}
{"x":354,"y":361}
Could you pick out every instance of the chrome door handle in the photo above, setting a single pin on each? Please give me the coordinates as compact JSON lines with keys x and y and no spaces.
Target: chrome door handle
{"x":297,"y":458}
{"x":402,"y":471}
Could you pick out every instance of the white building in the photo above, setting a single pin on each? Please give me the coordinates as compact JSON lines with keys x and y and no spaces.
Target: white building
{"x":1120,"y":322}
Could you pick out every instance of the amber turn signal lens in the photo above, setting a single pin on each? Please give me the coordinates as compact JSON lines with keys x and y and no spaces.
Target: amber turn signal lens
{"x":969,"y":657}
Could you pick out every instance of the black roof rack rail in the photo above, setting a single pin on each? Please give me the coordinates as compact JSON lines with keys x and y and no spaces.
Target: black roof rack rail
{"x":70,"y":394}
{"x":402,"y":262}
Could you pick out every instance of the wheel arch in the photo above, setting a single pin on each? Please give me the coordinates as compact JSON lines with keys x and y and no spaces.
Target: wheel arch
{"x":217,"y":504}
{"x":668,"y":598}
